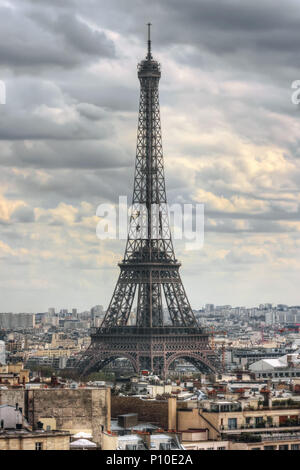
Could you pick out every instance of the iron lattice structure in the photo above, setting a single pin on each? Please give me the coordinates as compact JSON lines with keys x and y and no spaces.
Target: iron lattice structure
{"x":149,"y":268}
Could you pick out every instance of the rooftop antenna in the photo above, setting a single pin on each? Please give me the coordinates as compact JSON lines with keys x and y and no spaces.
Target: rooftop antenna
{"x":149,"y":55}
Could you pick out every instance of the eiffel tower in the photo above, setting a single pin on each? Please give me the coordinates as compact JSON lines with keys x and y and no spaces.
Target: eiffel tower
{"x":149,"y":268}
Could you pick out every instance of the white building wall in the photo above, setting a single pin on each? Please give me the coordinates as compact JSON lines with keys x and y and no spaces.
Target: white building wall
{"x":2,"y":353}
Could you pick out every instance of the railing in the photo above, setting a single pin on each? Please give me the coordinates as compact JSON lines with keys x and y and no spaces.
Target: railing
{"x":259,"y":427}
{"x":236,"y":409}
{"x":283,"y":406}
{"x":128,"y":330}
{"x":281,"y":437}
{"x":289,"y":424}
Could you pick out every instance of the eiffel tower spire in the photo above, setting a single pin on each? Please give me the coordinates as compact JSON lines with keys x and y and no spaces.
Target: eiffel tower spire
{"x":149,"y":269}
{"x":149,"y":56}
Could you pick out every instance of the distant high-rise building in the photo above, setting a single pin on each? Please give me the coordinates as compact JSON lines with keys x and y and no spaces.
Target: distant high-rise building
{"x":282,"y":307}
{"x":270,"y":317}
{"x":268,"y":306}
{"x":12,"y":321}
{"x":97,"y":315}
{"x":209,"y":307}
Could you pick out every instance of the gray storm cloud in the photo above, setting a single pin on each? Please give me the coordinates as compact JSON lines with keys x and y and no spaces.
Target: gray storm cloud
{"x":68,"y":131}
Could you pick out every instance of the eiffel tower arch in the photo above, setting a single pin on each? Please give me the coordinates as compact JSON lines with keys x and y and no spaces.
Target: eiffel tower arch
{"x":149,"y":269}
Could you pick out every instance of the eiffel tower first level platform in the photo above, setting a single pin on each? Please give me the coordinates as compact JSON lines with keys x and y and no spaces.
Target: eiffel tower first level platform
{"x":149,"y":294}
{"x":153,"y":349}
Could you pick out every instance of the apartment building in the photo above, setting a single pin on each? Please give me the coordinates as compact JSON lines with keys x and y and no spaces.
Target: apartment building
{"x":17,"y":320}
{"x":241,"y":425}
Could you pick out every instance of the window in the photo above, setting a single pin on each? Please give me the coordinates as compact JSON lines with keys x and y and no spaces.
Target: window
{"x":131,"y":447}
{"x":232,"y":423}
{"x":225,"y":408}
{"x":259,"y":421}
{"x":270,"y":448}
{"x":295,"y":447}
{"x":269,"y":420}
{"x":38,"y":446}
{"x":284,"y":447}
{"x":165,"y":446}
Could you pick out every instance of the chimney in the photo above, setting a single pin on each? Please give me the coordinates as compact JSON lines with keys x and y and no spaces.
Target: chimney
{"x":40,"y":425}
{"x":172,"y":413}
{"x":22,"y":416}
{"x":18,"y":412}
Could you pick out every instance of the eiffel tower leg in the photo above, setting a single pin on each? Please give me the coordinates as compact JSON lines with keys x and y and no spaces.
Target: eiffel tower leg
{"x":149,"y":306}
{"x":121,"y":303}
{"x":177,"y":301}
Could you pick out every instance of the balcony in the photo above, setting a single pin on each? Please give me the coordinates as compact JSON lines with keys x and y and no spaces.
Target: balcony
{"x":281,"y":437}
{"x":223,"y":407}
{"x":251,"y":437}
{"x":258,"y":428}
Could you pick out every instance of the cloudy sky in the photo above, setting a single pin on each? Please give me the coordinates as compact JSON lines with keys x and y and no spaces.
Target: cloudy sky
{"x":68,"y":135}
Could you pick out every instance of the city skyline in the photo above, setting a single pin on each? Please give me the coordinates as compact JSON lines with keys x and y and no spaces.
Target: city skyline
{"x":68,"y":309}
{"x":68,"y":137}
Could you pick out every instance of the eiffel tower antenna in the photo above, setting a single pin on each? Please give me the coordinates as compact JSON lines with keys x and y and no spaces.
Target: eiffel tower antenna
{"x":136,"y":326}
{"x":149,"y":56}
